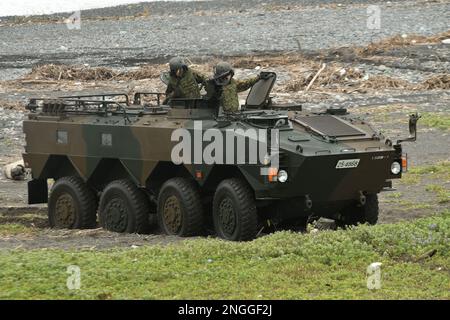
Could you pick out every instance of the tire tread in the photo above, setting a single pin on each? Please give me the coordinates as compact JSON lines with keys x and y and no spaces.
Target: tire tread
{"x":247,"y":215}
{"x":138,"y":201}
{"x":86,"y":199}
{"x":193,"y":223}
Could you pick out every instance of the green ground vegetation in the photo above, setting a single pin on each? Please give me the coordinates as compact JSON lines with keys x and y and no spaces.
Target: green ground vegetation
{"x":284,"y":265}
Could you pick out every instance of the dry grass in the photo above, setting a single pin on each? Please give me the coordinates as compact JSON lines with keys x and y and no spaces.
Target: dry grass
{"x":64,"y":72}
{"x":441,"y":81}
{"x":334,"y":76}
{"x":302,"y":70}
{"x":400,"y":41}
{"x":87,"y":73}
{"x":385,"y":82}
{"x":333,"y":79}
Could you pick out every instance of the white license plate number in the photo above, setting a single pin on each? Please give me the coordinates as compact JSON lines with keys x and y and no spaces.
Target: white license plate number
{"x":348,"y":163}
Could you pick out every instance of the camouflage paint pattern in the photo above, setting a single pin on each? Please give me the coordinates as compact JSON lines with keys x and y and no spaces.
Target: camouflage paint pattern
{"x":144,"y":142}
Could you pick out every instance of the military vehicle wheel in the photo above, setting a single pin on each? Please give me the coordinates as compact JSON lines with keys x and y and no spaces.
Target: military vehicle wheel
{"x":124,"y":208}
{"x":361,"y":214}
{"x":179,"y":208}
{"x":234,"y":211}
{"x":72,"y":204}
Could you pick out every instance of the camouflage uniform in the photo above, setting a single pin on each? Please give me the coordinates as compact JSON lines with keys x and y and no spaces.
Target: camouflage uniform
{"x":186,"y":86}
{"x":228,"y":95}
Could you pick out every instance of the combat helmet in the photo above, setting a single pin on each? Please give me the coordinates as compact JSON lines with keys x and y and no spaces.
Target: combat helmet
{"x":177,"y":63}
{"x":221,"y":71}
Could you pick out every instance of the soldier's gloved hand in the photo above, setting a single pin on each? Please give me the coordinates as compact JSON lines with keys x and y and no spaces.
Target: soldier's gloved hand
{"x":265,"y":75}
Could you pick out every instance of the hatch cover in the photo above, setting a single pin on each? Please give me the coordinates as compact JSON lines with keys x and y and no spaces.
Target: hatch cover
{"x":330,"y":126}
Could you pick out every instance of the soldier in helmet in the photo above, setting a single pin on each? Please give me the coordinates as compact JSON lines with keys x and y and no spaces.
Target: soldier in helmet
{"x":183,"y":82}
{"x":225,"y":89}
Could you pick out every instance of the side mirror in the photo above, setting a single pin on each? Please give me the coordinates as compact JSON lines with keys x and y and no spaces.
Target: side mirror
{"x":165,"y":77}
{"x":413,"y":118}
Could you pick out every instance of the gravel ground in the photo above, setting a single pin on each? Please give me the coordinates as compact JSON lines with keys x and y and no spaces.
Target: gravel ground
{"x":255,"y":28}
{"x":193,"y":7}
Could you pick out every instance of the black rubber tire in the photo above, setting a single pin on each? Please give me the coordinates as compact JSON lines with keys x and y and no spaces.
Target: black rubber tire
{"x":238,"y":196}
{"x":361,"y":214}
{"x":187,"y":197}
{"x":83,"y":204}
{"x":124,"y":208}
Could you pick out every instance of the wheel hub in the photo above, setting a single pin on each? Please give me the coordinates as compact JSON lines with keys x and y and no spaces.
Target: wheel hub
{"x":65,"y":211}
{"x":116,"y":215}
{"x":227,"y":216}
{"x":172,"y":214}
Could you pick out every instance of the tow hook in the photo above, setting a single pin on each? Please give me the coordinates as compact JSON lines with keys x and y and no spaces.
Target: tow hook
{"x":362,"y":198}
{"x":308,"y":202}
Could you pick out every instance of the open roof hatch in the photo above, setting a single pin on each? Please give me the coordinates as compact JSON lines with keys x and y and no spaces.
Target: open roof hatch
{"x":259,"y":94}
{"x":258,"y":97}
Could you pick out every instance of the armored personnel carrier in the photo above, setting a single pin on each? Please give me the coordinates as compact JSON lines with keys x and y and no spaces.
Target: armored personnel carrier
{"x":188,"y":165}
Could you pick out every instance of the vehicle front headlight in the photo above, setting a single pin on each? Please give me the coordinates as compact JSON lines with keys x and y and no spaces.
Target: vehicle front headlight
{"x":282,"y":176}
{"x":396,"y":167}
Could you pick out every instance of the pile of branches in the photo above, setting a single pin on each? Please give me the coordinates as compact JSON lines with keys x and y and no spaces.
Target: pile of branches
{"x":441,"y":81}
{"x":87,"y":73}
{"x":316,"y":75}
{"x":401,"y":41}
{"x":385,"y":82}
{"x":64,"y":72}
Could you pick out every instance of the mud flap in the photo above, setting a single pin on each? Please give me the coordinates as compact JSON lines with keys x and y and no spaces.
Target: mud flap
{"x":387,"y":186}
{"x":37,"y":191}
